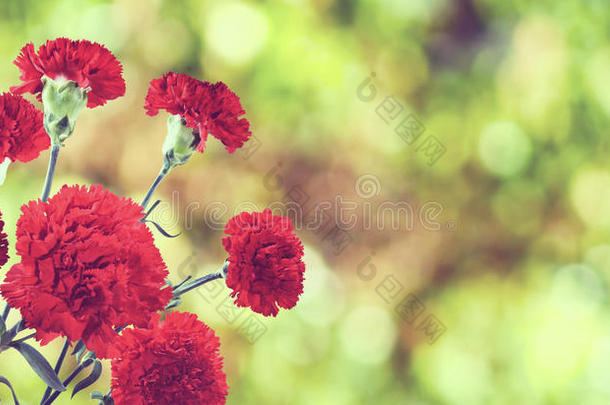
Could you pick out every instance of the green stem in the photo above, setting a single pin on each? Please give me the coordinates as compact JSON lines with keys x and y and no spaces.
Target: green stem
{"x":162,"y":173}
{"x":50,"y":173}
{"x":60,"y":361}
{"x":186,"y":287}
{"x":6,"y":311}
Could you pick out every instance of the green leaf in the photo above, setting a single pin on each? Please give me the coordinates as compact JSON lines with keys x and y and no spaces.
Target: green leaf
{"x":87,"y":358}
{"x":4,"y":381}
{"x":40,"y":365}
{"x":8,"y":336}
{"x":97,"y":395}
{"x":95,"y":374}
{"x":2,"y":326}
{"x":80,"y":345}
{"x":79,"y":350}
{"x":160,"y":229}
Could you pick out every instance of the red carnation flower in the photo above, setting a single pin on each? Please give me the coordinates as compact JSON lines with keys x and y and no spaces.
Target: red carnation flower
{"x":207,"y":108}
{"x":87,"y":265}
{"x":175,"y":361}
{"x":3,"y":244}
{"x":22,"y":134}
{"x":87,"y":63}
{"x":265,"y":267}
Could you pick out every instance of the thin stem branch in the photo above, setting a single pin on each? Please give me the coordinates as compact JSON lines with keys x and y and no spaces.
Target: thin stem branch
{"x":60,"y":360}
{"x":199,"y":282}
{"x":23,"y":339}
{"x":50,"y":173}
{"x":162,"y":173}
{"x":6,"y":311}
{"x":186,"y":287}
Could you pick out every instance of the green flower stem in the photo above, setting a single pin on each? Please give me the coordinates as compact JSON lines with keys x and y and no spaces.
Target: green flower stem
{"x":162,"y":173}
{"x":186,"y":287}
{"x":7,"y":309}
{"x":60,"y":361}
{"x":46,"y":190}
{"x":50,"y":173}
{"x":198,"y":282}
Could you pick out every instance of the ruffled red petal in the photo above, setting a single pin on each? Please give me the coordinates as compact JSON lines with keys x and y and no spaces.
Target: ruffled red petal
{"x":209,"y":108}
{"x":88,"y":265}
{"x":22,"y":134}
{"x":87,"y":63}
{"x":265,"y":262}
{"x":175,"y":361}
{"x":3,"y":244}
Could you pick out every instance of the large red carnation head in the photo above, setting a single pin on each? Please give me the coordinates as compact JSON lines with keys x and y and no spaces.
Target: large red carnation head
{"x":205,"y":107}
{"x":265,"y":267}
{"x":87,"y":63}
{"x":22,"y":135}
{"x":88,"y":265}
{"x":175,"y":361}
{"x":3,"y":244}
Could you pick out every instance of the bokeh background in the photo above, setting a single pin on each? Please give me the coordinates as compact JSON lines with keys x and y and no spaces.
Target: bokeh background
{"x":492,"y":285}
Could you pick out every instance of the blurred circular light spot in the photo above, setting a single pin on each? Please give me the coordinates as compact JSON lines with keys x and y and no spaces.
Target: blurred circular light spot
{"x":170,"y":40}
{"x":504,"y":149}
{"x":368,"y":335}
{"x":323,"y":295}
{"x":299,"y":343}
{"x":598,"y":78}
{"x":418,"y":10}
{"x":579,"y":283}
{"x":236,"y":31}
{"x":453,"y":372}
{"x":598,"y":257}
{"x":590,"y":195}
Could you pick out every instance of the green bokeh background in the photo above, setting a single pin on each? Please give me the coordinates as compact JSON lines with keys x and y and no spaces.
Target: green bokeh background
{"x":518,"y":93}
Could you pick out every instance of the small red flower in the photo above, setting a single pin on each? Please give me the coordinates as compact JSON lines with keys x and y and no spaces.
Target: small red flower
{"x":3,"y":244}
{"x":265,"y":267}
{"x":88,"y":265}
{"x":22,"y":134}
{"x":207,"y":108}
{"x":175,"y":361}
{"x":87,"y":63}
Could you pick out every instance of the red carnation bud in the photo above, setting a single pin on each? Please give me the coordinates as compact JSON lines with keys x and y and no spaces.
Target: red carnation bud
{"x":89,"y":64}
{"x":174,"y":361}
{"x":203,"y":107}
{"x":66,"y":75}
{"x":88,"y":265}
{"x":265,"y":262}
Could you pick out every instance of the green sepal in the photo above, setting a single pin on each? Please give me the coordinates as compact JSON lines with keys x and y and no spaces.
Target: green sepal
{"x":180,"y":142}
{"x":63,"y":101}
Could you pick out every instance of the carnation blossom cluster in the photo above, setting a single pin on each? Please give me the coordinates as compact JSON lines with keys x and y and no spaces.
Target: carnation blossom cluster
{"x":88,"y":265}
{"x":178,"y":350}
{"x":87,"y":269}
{"x":265,"y":262}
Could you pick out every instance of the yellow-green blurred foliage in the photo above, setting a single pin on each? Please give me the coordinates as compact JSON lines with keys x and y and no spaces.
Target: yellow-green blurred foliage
{"x":519,"y":94}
